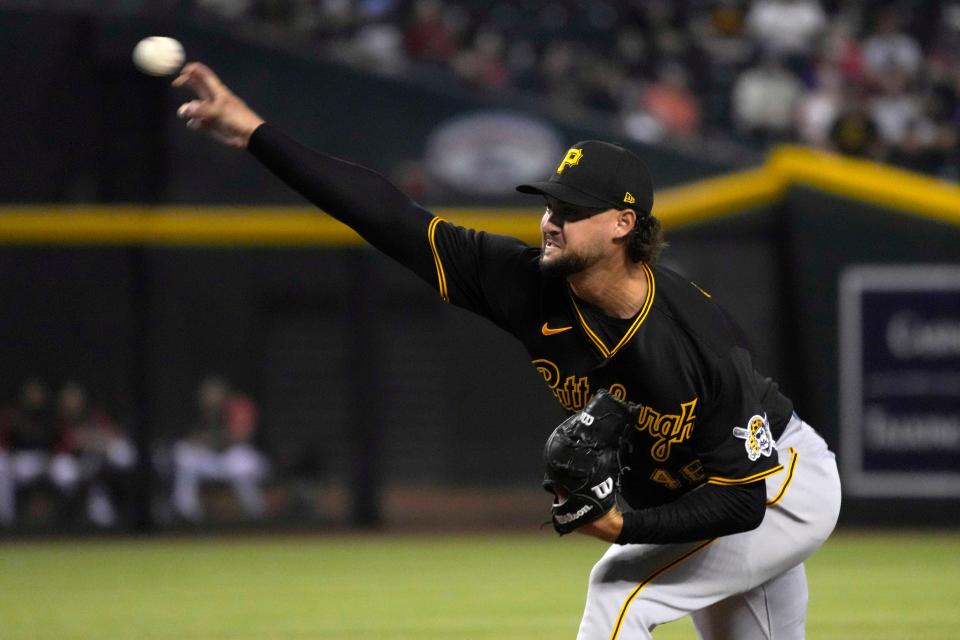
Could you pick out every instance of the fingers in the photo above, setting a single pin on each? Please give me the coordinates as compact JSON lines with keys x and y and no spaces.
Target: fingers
{"x":196,"y":109}
{"x":197,"y":114}
{"x":201,"y":80}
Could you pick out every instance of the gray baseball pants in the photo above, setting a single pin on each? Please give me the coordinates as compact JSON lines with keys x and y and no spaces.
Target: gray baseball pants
{"x":744,"y":586}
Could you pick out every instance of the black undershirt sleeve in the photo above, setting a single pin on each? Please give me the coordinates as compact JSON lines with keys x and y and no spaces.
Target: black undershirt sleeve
{"x":359,"y":197}
{"x":707,"y":512}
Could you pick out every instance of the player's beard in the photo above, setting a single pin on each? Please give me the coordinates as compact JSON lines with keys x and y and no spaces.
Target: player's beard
{"x":564,"y":265}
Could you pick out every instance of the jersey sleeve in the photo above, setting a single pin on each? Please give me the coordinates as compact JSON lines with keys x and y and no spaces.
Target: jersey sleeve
{"x":359,"y":197}
{"x":708,"y":512}
{"x":481,"y":272}
{"x":734,"y":441}
{"x":488,"y":274}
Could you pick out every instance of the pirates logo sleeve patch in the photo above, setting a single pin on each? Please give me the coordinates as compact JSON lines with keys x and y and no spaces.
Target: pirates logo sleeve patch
{"x":757,"y":437}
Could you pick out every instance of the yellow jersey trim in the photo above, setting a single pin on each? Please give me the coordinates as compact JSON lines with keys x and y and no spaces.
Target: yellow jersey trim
{"x":594,"y":338}
{"x":786,"y":483}
{"x":755,"y":477}
{"x":604,"y":350}
{"x":651,"y":578}
{"x":441,"y":275}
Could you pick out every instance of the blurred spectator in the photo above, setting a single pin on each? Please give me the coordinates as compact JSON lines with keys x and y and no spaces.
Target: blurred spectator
{"x":723,"y":49}
{"x":854,"y":132}
{"x":787,"y":29}
{"x":330,"y":16}
{"x":889,"y":50}
{"x":378,"y":46}
{"x":841,"y":49}
{"x":553,"y":78}
{"x":521,"y":61}
{"x":94,"y":450}
{"x":667,"y":27}
{"x":430,"y":36}
{"x":632,"y":50}
{"x":930,"y":141}
{"x":940,"y":107}
{"x":482,"y":64}
{"x":27,"y":440}
{"x":820,"y":108}
{"x":896,"y":110}
{"x":602,"y":81}
{"x":670,"y":102}
{"x":765,"y":100}
{"x":219,"y":448}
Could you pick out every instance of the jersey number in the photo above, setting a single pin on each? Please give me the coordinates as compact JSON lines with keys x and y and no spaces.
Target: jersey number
{"x":692,"y":472}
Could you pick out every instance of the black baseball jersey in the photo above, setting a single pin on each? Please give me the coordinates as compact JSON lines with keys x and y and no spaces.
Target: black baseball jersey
{"x":707,"y":415}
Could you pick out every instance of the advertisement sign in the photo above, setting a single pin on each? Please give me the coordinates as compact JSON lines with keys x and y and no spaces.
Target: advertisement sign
{"x":900,"y":380}
{"x":488,"y":153}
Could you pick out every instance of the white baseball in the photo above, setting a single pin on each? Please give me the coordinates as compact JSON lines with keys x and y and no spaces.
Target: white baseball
{"x":158,"y":56}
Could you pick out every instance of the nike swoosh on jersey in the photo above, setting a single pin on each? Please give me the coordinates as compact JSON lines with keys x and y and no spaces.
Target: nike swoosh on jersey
{"x":547,"y":331}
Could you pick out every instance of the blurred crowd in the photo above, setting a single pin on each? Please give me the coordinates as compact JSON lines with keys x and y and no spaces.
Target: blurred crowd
{"x":75,"y":450}
{"x":70,"y":464}
{"x":219,"y":447}
{"x":874,"y":79}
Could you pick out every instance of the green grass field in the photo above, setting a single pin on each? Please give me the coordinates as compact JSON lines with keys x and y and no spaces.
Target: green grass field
{"x":873,"y":586}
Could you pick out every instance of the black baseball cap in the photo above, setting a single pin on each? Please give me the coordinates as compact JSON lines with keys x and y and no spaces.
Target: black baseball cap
{"x":598,"y":175}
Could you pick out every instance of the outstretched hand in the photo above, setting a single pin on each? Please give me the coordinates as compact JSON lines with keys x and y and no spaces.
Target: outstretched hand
{"x":216,"y":109}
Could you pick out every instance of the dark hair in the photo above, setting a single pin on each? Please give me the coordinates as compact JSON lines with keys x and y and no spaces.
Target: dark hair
{"x":646,"y":240}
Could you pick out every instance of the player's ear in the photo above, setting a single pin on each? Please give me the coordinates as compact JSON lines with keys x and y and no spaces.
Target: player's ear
{"x":626,"y":220}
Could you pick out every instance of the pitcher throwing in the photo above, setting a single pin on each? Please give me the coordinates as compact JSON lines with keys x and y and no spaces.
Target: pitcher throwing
{"x":723,"y":490}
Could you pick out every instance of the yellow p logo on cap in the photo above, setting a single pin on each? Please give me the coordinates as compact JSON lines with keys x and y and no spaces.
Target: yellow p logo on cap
{"x":572,"y":158}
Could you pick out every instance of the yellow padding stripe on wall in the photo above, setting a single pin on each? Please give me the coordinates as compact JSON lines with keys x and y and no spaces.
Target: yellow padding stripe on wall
{"x":868,"y":182}
{"x":171,"y":226}
{"x":714,"y":197}
{"x":708,"y":199}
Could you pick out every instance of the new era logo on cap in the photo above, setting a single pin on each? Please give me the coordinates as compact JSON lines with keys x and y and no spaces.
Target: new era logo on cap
{"x":598,"y":175}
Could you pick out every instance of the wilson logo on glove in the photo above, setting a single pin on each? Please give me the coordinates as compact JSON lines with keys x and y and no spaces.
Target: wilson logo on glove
{"x":567,"y":518}
{"x":603,"y":489}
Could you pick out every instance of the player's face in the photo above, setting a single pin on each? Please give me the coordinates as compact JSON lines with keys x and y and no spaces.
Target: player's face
{"x":572,"y":238}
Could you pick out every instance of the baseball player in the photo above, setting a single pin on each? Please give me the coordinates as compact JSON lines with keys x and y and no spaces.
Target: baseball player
{"x":724,"y":490}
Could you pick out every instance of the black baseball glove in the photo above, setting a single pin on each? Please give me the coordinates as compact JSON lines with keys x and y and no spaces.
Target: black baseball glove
{"x":582,"y":460}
